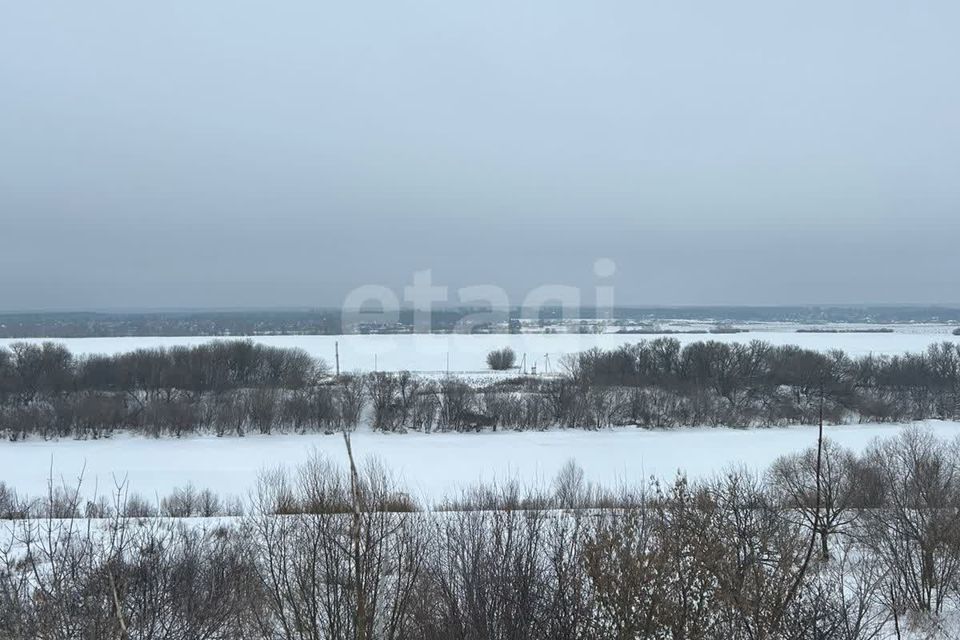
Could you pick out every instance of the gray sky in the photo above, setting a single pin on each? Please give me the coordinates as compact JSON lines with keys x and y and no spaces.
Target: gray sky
{"x":233,"y":153}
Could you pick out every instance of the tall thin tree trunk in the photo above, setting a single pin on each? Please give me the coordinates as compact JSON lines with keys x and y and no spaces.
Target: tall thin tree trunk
{"x":360,"y":615}
{"x":801,"y":574}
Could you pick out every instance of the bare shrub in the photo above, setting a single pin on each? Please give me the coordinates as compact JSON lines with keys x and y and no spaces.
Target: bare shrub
{"x":571,"y":490}
{"x":183,"y":502}
{"x":330,"y":573}
{"x":136,"y":506}
{"x":501,"y":359}
{"x":11,"y":507}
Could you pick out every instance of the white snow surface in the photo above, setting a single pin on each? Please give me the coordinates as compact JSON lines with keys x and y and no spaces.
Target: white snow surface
{"x":431,"y":353}
{"x":431,"y":466}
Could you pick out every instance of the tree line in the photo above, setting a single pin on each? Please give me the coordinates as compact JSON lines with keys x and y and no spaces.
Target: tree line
{"x":827,"y":544}
{"x":330,"y":321}
{"x":235,"y":387}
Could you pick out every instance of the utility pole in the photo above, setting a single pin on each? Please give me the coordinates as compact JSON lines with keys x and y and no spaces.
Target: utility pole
{"x":445,"y":392}
{"x":336,"y":347}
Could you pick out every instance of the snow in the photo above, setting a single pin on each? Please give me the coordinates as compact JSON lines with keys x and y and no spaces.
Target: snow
{"x":436,"y":465}
{"x":431,"y":466}
{"x":429,"y":353}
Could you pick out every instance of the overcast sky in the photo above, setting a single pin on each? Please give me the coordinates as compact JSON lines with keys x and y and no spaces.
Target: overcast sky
{"x":232,"y":153}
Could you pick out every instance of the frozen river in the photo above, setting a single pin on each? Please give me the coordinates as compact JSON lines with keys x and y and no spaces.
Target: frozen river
{"x":430,"y":465}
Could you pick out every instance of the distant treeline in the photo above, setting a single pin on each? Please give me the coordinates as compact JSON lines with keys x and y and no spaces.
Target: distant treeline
{"x":213,"y":323}
{"x":201,"y":323}
{"x":836,"y":330}
{"x":328,"y":321}
{"x":233,"y":387}
{"x":826,"y":545}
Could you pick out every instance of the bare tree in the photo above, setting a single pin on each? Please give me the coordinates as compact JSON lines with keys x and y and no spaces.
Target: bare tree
{"x":916,"y":529}
{"x":793,"y":478}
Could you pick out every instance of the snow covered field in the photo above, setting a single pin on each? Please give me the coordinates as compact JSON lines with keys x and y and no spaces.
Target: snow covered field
{"x":467,"y":353}
{"x":430,"y":465}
